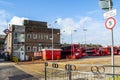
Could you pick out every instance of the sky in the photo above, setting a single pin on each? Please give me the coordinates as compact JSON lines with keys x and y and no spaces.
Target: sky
{"x":72,"y":17}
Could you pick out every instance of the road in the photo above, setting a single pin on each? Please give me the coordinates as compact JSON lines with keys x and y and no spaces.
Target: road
{"x":9,"y":72}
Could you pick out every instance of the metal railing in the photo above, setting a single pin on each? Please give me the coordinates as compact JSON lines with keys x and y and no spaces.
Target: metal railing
{"x":59,"y":71}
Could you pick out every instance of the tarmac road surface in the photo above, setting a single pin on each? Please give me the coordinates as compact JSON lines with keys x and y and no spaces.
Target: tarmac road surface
{"x":10,"y":72}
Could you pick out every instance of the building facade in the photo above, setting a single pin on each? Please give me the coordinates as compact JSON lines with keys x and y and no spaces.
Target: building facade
{"x":2,"y":43}
{"x":31,"y":37}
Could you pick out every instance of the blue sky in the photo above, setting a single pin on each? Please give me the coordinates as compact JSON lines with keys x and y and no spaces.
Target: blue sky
{"x":70,"y":15}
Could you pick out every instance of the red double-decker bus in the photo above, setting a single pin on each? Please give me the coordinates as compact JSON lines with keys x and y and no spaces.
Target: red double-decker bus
{"x":107,"y":50}
{"x":71,"y":51}
{"x":92,"y":51}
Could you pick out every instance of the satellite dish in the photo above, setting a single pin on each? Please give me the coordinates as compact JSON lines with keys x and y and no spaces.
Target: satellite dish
{"x":104,"y":4}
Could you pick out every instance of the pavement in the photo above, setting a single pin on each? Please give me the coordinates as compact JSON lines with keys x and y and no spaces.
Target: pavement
{"x":9,"y":72}
{"x":2,"y":60}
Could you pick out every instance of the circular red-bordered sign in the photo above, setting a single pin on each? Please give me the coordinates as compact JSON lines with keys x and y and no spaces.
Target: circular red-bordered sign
{"x":110,"y":23}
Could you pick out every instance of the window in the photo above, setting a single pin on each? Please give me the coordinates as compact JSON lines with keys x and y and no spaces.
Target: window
{"x":47,"y":37}
{"x":40,"y":48}
{"x":28,"y":48}
{"x":34,"y":49}
{"x":41,"y":36}
{"x":15,"y":34}
{"x":15,"y":47}
{"x":28,"y":36}
{"x":15,"y":41}
{"x":46,"y":47}
{"x":21,"y":38}
{"x":34,"y":36}
{"x":50,"y":37}
{"x":44,"y":37}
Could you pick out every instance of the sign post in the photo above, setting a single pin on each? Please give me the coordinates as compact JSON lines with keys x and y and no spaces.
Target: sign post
{"x":110,"y":23}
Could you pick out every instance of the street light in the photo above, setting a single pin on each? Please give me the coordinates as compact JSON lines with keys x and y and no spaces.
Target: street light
{"x":71,"y":40}
{"x":85,"y":36}
{"x":52,"y":41}
{"x":62,"y":41}
{"x":62,"y":38}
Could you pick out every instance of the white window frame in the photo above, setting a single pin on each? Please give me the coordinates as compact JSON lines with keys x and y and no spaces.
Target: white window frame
{"x":28,"y":48}
{"x":34,"y":36}
{"x":40,"y":48}
{"x":42,"y":37}
{"x":28,"y":36}
{"x":34,"y":49}
{"x":47,"y":37}
{"x":39,"y":36}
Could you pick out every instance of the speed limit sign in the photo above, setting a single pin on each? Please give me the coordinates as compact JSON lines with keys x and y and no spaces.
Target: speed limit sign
{"x":110,"y":23}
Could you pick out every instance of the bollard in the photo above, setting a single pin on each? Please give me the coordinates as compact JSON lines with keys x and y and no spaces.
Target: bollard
{"x":46,"y":64}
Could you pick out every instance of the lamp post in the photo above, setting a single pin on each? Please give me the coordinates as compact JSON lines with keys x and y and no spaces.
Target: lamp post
{"x":85,"y":37}
{"x":62,"y":41}
{"x":52,"y":41}
{"x":52,"y":44}
{"x":72,"y":40}
{"x":40,"y":50}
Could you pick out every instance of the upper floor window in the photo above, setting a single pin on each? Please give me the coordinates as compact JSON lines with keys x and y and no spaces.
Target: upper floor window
{"x":28,"y":36}
{"x":47,"y":37}
{"x":34,"y":36}
{"x":28,"y":48}
{"x":40,"y":48}
{"x":15,"y":41}
{"x":15,"y":34}
{"x":40,"y":36}
{"x":34,"y":48}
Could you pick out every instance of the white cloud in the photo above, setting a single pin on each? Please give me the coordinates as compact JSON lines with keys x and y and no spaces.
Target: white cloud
{"x":96,"y":32}
{"x":17,"y":20}
{"x":68,"y":24}
{"x":4,"y":16}
{"x":3,"y":20}
{"x":85,"y":20}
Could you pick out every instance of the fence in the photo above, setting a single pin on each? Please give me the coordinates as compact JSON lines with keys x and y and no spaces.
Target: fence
{"x":59,"y":71}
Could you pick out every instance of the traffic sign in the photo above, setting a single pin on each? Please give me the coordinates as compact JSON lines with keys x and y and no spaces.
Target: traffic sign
{"x":6,"y":31}
{"x":110,"y":13}
{"x":110,"y":23}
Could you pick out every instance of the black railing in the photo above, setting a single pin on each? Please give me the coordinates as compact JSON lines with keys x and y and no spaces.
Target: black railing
{"x":59,"y":71}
